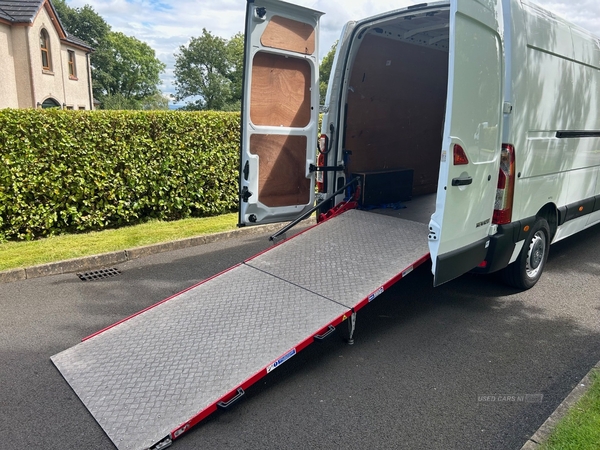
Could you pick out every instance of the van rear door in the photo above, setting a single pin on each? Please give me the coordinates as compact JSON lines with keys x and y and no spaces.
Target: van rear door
{"x":280,"y":112}
{"x":460,"y":226}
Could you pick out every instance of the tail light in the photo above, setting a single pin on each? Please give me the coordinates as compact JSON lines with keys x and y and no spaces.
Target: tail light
{"x":460,"y":157}
{"x":506,"y":186}
{"x":323,"y":144}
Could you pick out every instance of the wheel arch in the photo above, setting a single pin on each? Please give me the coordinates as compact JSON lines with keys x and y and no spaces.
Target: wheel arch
{"x":550,"y":212}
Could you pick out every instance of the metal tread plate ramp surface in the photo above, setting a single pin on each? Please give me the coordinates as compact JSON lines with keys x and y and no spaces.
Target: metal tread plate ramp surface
{"x":148,"y":379}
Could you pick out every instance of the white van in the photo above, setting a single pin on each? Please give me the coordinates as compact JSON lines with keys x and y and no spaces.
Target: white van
{"x":492,"y":106}
{"x":480,"y":116}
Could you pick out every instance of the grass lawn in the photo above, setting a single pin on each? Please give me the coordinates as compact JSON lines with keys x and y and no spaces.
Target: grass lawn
{"x":580,"y":428}
{"x":25,"y":254}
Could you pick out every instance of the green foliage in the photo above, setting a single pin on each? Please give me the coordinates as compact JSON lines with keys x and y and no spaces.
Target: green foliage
{"x":325,"y":71}
{"x":209,"y":70}
{"x":68,"y":171}
{"x":579,"y":429}
{"x":154,"y":102}
{"x":235,"y":57}
{"x":151,"y":103}
{"x":85,"y":23}
{"x":129,"y":68}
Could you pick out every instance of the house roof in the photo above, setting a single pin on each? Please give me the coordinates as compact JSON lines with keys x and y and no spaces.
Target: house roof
{"x":25,"y":11}
{"x":75,"y":40}
{"x":19,"y":11}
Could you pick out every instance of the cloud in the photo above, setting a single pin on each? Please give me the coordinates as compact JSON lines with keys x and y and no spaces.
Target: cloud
{"x":166,"y":25}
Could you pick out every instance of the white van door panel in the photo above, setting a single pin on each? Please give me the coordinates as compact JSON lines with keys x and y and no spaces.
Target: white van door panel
{"x":459,"y":228}
{"x":280,"y":112}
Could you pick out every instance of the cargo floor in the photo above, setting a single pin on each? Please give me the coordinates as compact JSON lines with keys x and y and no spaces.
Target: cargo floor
{"x":419,"y":209}
{"x":150,"y":378}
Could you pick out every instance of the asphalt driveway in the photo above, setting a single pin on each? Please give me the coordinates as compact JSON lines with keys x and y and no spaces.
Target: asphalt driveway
{"x":421,"y":374}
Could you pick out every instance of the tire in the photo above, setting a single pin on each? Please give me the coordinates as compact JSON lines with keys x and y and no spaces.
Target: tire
{"x":528,"y":267}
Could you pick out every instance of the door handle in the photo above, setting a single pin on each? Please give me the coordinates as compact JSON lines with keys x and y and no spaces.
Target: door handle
{"x":462,"y":181}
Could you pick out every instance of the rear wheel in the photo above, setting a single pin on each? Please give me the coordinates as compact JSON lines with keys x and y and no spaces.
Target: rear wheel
{"x":527,"y":269}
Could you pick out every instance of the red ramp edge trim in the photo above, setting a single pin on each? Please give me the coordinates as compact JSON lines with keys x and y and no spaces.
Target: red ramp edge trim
{"x":195,"y":285}
{"x":186,"y":426}
{"x":192,"y":287}
{"x":380,"y":290}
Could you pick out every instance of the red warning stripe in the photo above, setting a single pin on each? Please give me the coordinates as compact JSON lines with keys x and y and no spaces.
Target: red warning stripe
{"x":184,"y":427}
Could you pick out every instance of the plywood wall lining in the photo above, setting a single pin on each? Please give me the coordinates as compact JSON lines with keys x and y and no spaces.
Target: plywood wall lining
{"x":280,"y":91}
{"x":396,"y":108}
{"x":281,"y":169}
{"x":288,"y":34}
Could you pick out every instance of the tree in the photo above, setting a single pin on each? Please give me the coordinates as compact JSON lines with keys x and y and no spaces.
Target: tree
{"x":125,"y":70}
{"x":129,"y":67}
{"x":235,"y":55}
{"x":209,"y":71}
{"x":118,"y":101}
{"x":85,"y":23}
{"x":325,"y":71}
{"x":154,"y":102}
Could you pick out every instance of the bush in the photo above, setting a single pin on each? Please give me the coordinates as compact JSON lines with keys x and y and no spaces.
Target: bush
{"x":67,"y":171}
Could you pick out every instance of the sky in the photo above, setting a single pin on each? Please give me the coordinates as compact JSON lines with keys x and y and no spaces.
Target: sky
{"x":166,"y":25}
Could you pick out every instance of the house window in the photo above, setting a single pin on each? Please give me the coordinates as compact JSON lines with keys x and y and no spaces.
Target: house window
{"x":45,"y":47}
{"x":72,"y":68}
{"x":50,"y":103}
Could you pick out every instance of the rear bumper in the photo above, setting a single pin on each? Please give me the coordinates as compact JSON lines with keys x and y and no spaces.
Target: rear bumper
{"x":502,"y":244}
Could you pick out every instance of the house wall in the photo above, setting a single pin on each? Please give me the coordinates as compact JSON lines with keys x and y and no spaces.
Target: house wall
{"x":8,"y":85}
{"x":25,"y":89}
{"x":47,"y":83}
{"x":23,"y":81}
{"x":76,"y":89}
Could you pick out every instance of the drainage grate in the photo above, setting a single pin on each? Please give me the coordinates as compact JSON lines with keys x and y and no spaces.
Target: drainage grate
{"x":98,"y":274}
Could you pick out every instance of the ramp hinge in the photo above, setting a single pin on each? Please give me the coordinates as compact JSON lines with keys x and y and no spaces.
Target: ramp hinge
{"x":312,"y":168}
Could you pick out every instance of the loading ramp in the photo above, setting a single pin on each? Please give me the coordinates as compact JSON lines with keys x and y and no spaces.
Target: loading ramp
{"x":148,"y":379}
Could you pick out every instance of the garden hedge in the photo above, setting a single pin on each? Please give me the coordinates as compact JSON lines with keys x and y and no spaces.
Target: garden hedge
{"x":69,"y":171}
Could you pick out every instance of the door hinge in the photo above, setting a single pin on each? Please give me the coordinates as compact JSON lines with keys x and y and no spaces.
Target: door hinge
{"x":312,"y":168}
{"x":507,"y":108}
{"x":246,"y":194}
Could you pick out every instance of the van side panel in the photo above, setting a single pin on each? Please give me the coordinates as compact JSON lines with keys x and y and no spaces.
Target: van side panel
{"x":556,"y":87}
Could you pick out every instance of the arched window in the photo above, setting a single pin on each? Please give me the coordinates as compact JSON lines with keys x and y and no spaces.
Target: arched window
{"x":45,"y":47}
{"x":50,"y":103}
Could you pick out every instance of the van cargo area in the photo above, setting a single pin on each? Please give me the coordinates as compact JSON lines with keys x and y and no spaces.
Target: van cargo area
{"x":395,"y":95}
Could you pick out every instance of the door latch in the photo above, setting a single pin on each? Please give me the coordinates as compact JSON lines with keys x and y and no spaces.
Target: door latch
{"x":246,"y":194}
{"x":462,"y":181}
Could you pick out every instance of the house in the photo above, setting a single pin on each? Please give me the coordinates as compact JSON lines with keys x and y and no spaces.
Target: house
{"x":41,"y":64}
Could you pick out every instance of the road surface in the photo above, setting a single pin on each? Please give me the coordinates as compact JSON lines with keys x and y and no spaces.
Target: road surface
{"x":431,"y":368}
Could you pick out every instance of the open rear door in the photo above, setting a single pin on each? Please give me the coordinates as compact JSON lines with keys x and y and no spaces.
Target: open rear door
{"x":280,"y":112}
{"x":459,"y":228}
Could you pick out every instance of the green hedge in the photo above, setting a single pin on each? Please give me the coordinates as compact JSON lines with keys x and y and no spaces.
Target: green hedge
{"x":67,"y":171}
